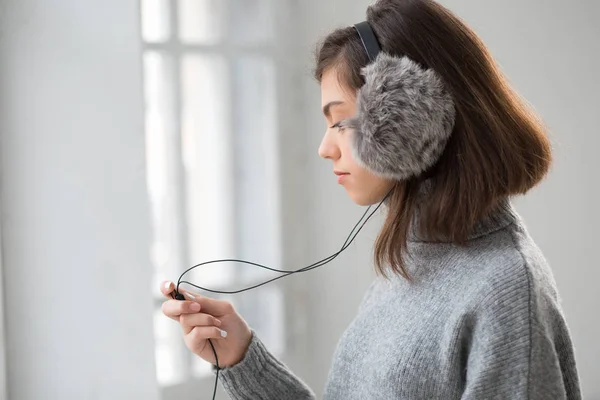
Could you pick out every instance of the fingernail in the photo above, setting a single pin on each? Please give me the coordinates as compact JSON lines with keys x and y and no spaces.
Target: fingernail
{"x":217,"y":322}
{"x":167,"y":285}
{"x":189,"y":295}
{"x":223,"y":333}
{"x":195,"y":307}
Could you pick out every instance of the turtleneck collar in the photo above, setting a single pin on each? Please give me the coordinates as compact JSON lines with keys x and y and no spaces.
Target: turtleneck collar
{"x":502,"y":216}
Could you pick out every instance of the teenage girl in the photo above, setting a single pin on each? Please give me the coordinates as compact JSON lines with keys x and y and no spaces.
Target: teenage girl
{"x":464,"y":305}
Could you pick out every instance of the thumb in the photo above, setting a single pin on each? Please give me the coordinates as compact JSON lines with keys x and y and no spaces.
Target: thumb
{"x":167,"y":288}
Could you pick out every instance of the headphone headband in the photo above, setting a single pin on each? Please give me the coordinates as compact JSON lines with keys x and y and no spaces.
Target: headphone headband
{"x":369,"y":40}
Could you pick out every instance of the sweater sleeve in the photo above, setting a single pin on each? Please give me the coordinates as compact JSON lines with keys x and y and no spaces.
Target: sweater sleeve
{"x":262,"y":376}
{"x":520,"y":348}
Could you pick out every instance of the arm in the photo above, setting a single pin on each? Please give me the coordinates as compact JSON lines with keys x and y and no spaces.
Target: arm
{"x":261,"y":376}
{"x":520,"y":347}
{"x":250,"y":371}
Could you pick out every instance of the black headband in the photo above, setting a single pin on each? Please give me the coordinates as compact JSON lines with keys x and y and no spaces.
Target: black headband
{"x":369,"y":41}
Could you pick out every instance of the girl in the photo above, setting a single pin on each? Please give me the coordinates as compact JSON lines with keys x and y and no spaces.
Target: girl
{"x":464,"y":305}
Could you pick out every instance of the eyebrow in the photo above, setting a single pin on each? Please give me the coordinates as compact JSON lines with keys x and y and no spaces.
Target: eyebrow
{"x":326,"y":109}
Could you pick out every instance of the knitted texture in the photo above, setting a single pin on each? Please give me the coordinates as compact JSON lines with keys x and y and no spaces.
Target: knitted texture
{"x":476,"y":322}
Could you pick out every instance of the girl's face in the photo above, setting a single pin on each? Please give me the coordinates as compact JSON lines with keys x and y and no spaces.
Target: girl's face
{"x":339,"y":103}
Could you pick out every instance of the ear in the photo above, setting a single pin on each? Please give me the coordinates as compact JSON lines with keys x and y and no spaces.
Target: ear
{"x":404,"y":118}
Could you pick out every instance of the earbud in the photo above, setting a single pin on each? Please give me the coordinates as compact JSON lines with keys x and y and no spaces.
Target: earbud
{"x":179,"y":296}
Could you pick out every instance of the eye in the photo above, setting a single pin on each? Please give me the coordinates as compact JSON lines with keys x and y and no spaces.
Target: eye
{"x":338,"y":126}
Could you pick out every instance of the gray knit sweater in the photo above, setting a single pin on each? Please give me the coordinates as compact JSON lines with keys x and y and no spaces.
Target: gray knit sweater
{"x":477,"y":322}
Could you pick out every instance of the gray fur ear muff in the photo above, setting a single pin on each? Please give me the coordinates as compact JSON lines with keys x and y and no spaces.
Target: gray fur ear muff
{"x":404,"y":118}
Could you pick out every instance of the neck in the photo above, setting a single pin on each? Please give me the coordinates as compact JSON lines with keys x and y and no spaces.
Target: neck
{"x":500,"y":217}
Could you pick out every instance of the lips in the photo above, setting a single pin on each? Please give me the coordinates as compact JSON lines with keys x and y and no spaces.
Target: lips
{"x":340,"y":173}
{"x":341,"y":176}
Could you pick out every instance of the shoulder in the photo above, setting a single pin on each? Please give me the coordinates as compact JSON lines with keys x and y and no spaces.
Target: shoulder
{"x":512,"y":275}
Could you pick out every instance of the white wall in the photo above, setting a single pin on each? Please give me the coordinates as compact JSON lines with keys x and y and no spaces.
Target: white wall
{"x":3,"y":387}
{"x":549,"y":50}
{"x":74,"y":215}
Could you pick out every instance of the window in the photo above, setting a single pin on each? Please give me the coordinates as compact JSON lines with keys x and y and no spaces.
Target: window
{"x":211,"y":120}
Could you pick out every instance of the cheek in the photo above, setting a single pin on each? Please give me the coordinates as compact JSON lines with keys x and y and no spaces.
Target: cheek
{"x":345,"y":146}
{"x":366,"y":189}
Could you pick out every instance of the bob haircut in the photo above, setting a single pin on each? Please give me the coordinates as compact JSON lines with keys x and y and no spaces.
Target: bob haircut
{"x":498,"y":147}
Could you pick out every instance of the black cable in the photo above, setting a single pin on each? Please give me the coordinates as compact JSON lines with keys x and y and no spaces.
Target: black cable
{"x":177,"y":296}
{"x":349,"y":239}
{"x":216,"y":365}
{"x":287,"y":272}
{"x":284,"y":272}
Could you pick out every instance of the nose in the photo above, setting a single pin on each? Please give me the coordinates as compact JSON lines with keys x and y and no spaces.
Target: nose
{"x":329,"y":149}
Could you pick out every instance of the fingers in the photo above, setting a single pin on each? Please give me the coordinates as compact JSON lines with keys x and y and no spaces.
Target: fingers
{"x":218,"y":308}
{"x":167,"y":288}
{"x":200,"y":333}
{"x":214,"y":307}
{"x":176,"y":308}
{"x":190,"y":321}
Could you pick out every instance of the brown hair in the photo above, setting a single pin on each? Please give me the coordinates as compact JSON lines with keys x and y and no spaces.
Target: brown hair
{"x":498,"y":147}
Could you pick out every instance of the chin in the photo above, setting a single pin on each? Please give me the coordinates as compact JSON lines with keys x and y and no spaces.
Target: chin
{"x":363,"y":200}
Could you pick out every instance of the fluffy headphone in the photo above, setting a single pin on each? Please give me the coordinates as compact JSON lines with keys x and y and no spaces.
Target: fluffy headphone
{"x":404,"y":115}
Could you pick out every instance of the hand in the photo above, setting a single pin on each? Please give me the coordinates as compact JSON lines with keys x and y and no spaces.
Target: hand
{"x":202,"y":318}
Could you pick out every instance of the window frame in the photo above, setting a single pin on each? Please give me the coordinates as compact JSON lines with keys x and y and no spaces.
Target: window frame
{"x":291,"y":147}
